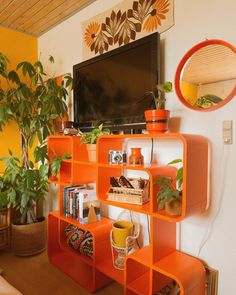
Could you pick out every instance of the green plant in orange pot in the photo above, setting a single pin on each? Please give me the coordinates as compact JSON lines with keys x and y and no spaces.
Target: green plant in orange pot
{"x":90,"y":139}
{"x":157,"y":119}
{"x":169,"y":196}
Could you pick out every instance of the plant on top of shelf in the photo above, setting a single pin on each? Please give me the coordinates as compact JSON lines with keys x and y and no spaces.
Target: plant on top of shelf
{"x":169,"y":195}
{"x":157,"y":119}
{"x":159,"y":100}
{"x":90,"y":139}
{"x":32,"y":100}
{"x":92,"y":136}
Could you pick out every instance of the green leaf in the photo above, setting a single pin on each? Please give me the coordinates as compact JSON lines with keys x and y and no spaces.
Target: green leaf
{"x":13,"y":76}
{"x":66,"y":156}
{"x":39,"y":66}
{"x":175,"y":161}
{"x":166,"y":87}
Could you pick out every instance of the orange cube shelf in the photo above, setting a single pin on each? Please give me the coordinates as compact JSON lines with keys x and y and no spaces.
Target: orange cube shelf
{"x":150,"y":268}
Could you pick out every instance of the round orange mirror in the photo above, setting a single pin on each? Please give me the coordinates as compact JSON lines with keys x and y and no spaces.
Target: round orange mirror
{"x":206,"y":76}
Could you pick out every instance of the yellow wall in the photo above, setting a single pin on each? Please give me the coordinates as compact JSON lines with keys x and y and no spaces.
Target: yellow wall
{"x":190,"y":91}
{"x":17,"y":47}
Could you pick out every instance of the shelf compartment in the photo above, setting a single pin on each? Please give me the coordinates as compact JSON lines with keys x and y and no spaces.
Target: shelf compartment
{"x":163,"y":238}
{"x":64,"y":245}
{"x":91,"y":227}
{"x":142,"y":256}
{"x":160,"y":282}
{"x":144,"y":209}
{"x":106,"y":266}
{"x":103,"y":186}
{"x":195,"y":168}
{"x":59,"y":145}
{"x":80,"y":152}
{"x":67,"y":261}
{"x":137,"y":277}
{"x":186,"y":270}
{"x":65,"y":174}
{"x":83,"y":173}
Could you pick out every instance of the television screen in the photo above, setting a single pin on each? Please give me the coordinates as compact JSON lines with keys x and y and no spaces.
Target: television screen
{"x":110,"y":88}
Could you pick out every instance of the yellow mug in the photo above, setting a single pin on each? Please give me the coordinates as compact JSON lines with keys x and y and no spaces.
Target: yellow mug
{"x":120,"y":231}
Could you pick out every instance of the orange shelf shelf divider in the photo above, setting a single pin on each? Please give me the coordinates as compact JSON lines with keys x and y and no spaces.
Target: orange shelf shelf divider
{"x":150,"y":268}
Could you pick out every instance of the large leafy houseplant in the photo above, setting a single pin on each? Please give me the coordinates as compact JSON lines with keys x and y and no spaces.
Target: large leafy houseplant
{"x":32,"y":99}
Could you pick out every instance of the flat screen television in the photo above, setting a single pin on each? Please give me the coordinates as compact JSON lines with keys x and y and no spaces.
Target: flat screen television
{"x":110,"y":88}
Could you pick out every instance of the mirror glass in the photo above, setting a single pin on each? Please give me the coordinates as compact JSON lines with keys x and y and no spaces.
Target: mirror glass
{"x":206,"y":76}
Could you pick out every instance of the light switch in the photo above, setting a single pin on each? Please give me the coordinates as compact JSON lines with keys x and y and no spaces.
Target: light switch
{"x":228,"y":132}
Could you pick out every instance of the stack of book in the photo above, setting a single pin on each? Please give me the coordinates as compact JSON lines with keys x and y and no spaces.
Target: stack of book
{"x":80,"y":202}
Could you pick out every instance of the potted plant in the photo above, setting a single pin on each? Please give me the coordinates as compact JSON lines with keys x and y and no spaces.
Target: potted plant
{"x":90,"y":139}
{"x":32,"y":102}
{"x":157,"y":119}
{"x":169,"y":195}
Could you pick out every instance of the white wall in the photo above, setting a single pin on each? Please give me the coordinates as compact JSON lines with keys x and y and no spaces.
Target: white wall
{"x":194,"y":21}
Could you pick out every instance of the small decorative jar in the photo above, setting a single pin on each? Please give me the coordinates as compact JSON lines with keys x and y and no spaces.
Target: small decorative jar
{"x":136,"y":158}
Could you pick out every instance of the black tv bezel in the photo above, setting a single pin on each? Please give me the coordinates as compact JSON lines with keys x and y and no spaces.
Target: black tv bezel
{"x":154,"y":39}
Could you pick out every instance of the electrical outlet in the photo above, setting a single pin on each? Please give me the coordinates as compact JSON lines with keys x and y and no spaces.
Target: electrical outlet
{"x":228,"y":132}
{"x":211,"y":281}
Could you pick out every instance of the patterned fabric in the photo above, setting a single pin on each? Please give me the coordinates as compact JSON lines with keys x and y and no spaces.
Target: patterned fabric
{"x":127,"y":21}
{"x":79,"y":240}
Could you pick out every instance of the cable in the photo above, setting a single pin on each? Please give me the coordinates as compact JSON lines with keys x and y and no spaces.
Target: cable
{"x":131,"y":219}
{"x":207,"y":235}
{"x":151,"y":159}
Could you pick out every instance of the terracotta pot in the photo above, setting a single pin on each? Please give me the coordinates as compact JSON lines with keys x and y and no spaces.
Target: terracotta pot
{"x":92,"y":152}
{"x":29,"y":239}
{"x":157,"y":120}
{"x":174,"y":208}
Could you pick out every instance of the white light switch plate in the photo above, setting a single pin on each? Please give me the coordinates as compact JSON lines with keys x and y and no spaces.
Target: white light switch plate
{"x":228,"y":132}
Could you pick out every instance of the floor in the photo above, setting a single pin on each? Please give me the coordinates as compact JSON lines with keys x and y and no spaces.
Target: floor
{"x":36,"y":276}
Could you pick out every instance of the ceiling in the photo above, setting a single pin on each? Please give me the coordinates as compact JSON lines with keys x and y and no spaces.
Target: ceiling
{"x":35,"y":17}
{"x":212,"y":63}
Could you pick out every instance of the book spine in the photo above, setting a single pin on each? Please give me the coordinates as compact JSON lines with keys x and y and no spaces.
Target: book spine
{"x":74,"y":198}
{"x":71,"y":204}
{"x":64,"y":200}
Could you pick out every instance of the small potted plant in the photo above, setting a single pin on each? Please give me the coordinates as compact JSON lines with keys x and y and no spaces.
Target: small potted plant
{"x":169,"y":195}
{"x":90,"y":139}
{"x":157,"y":119}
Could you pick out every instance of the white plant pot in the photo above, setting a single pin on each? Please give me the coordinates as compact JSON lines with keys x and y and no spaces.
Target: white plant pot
{"x":92,"y":152}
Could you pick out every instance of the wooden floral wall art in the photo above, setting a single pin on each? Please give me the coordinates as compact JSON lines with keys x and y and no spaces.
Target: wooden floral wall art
{"x":124,"y":23}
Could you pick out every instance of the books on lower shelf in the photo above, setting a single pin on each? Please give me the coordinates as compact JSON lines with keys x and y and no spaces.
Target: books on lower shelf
{"x":80,"y":202}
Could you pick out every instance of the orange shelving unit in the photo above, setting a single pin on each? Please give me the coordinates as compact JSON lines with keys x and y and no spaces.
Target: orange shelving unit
{"x":150,"y":268}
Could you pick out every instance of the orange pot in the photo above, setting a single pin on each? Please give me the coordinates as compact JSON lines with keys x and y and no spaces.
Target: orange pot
{"x":157,"y":120}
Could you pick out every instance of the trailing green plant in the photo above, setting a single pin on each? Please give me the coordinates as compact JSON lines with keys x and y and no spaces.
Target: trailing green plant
{"x":159,"y":99}
{"x":92,"y":136}
{"x":32,"y":99}
{"x":207,"y":100}
{"x":168,"y":190}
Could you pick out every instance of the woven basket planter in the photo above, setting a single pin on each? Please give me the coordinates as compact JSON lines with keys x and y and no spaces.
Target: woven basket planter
{"x":29,"y":239}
